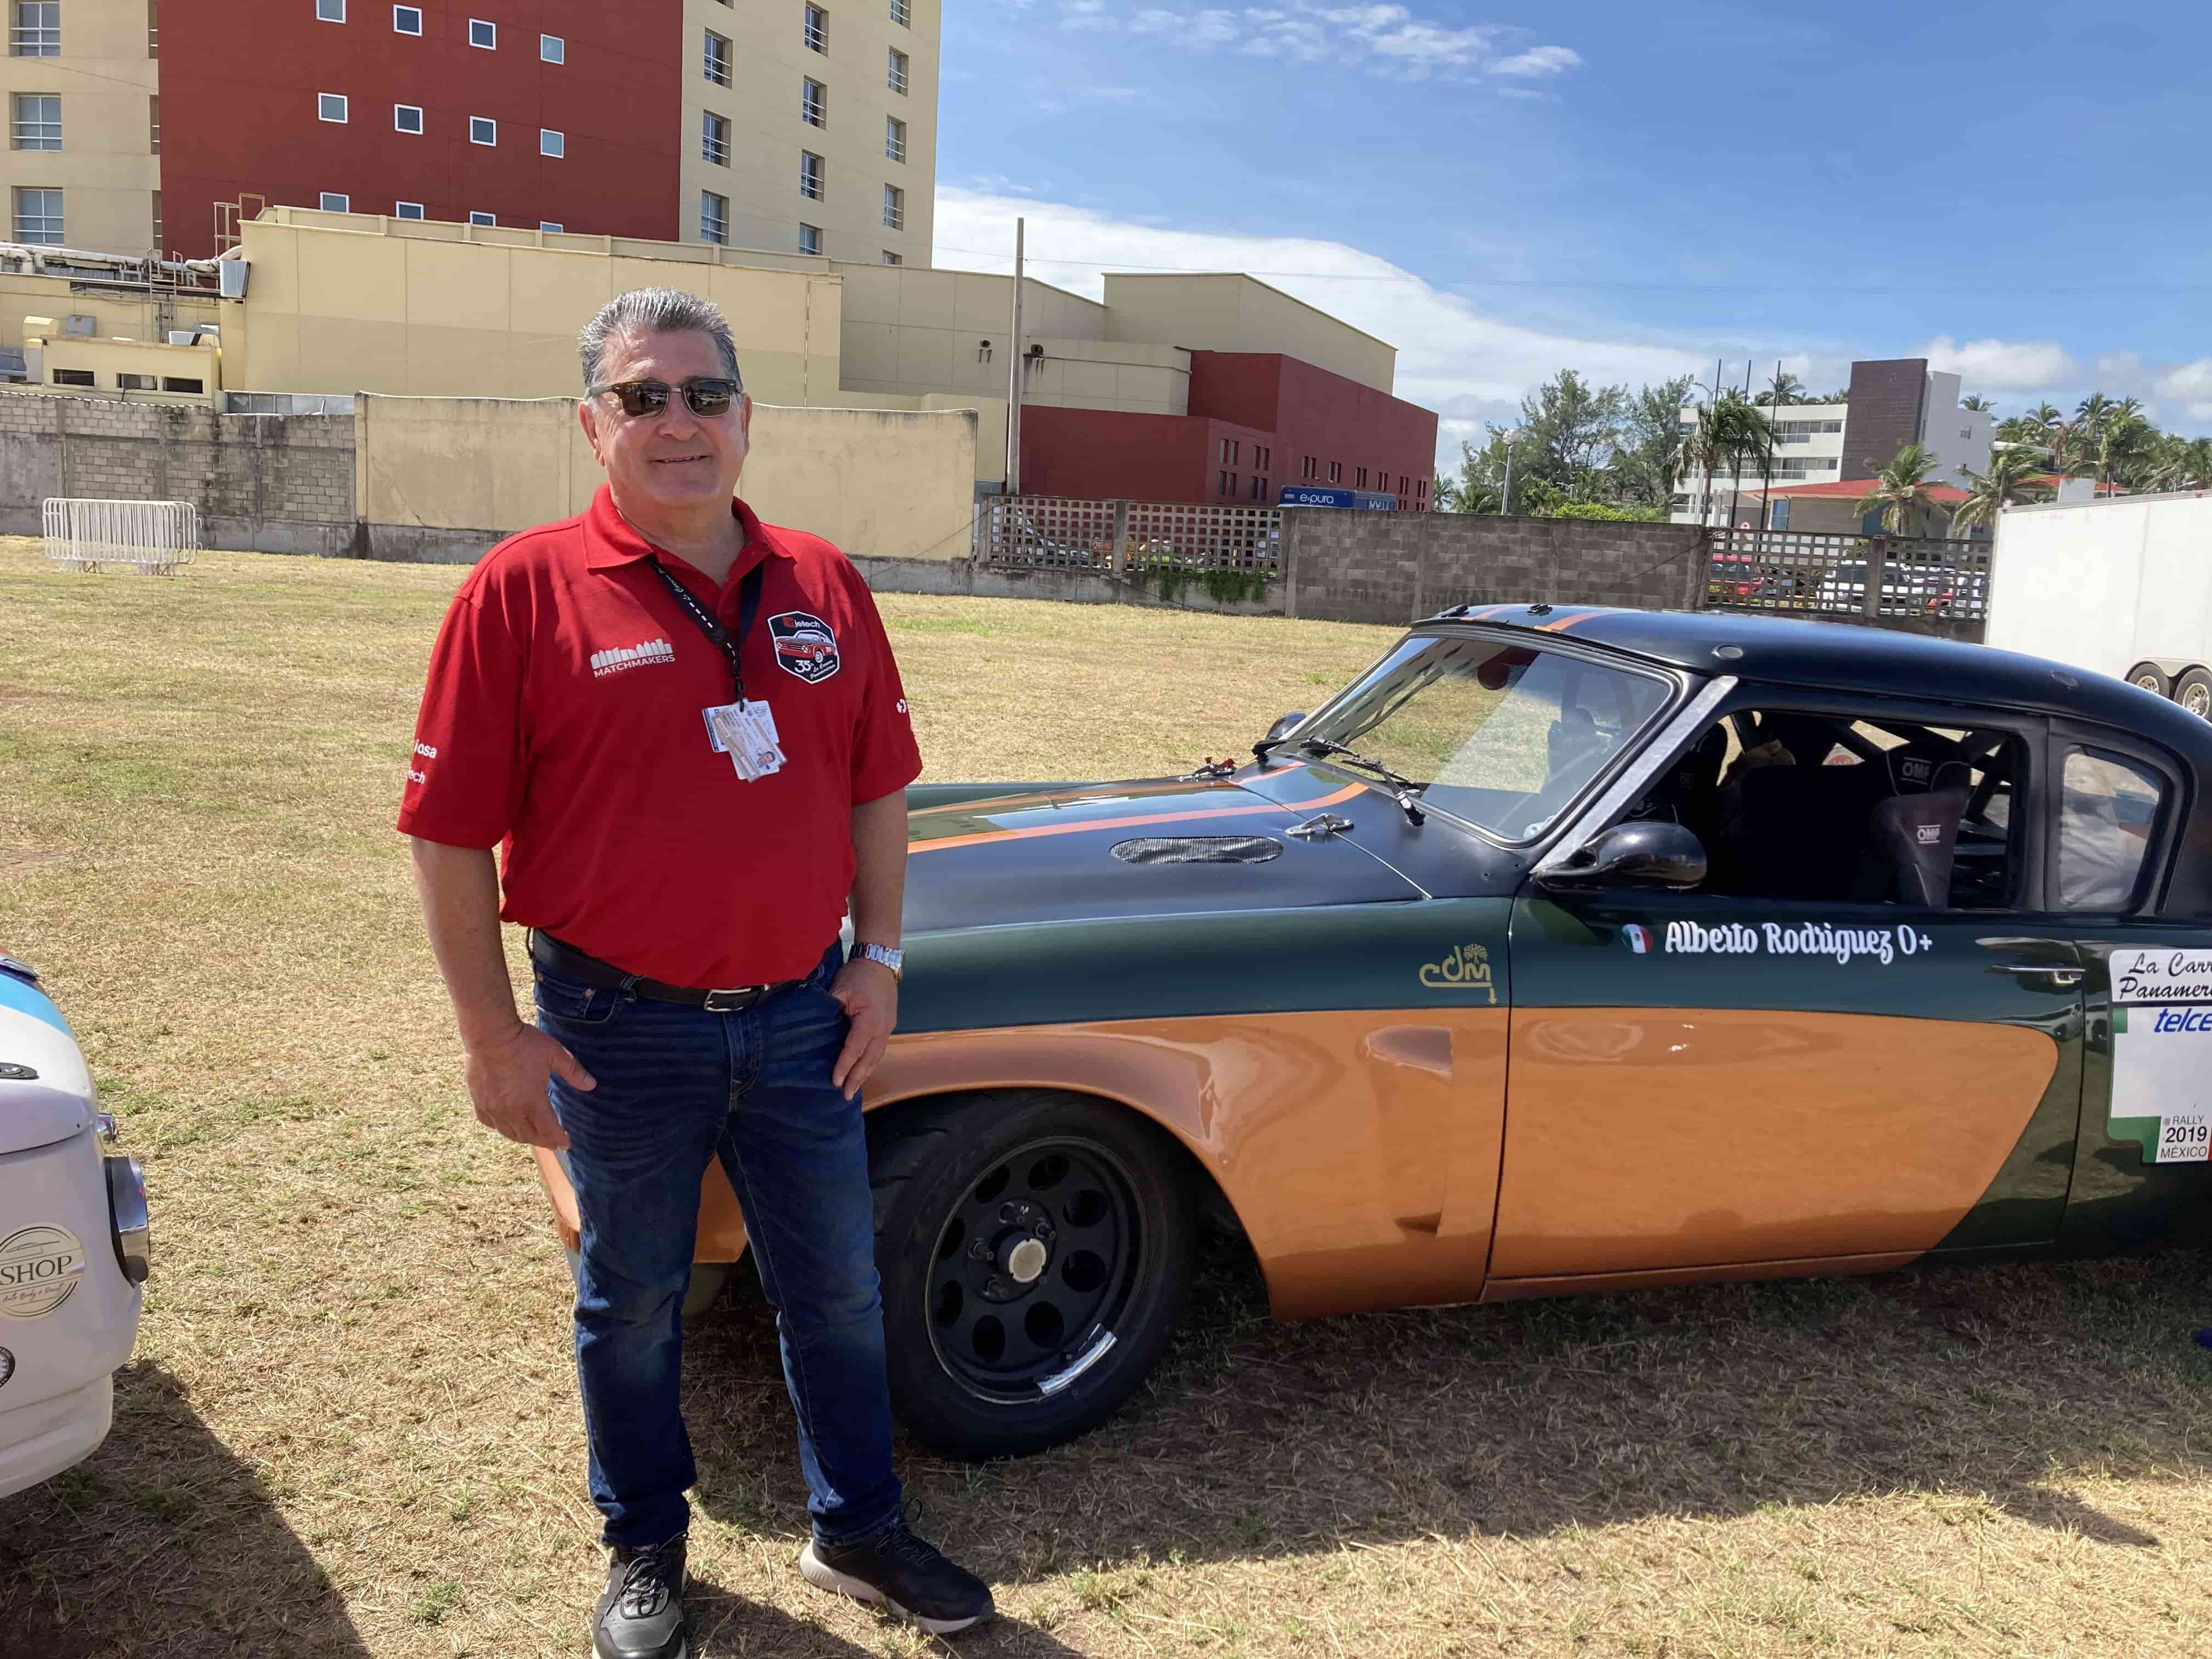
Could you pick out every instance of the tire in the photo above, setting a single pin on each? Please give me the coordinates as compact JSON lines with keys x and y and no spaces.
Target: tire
{"x":707,"y":1279}
{"x":2151,"y":678}
{"x":2193,"y":691}
{"x":1090,"y":1201}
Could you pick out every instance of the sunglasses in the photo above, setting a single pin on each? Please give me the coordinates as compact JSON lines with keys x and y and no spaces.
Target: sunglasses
{"x":645,"y":399}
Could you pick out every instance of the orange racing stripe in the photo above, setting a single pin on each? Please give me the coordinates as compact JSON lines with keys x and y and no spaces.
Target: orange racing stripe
{"x":1033,"y":833}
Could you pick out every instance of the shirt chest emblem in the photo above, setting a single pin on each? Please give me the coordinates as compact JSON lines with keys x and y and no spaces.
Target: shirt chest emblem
{"x":805,"y":646}
{"x":615,"y":658}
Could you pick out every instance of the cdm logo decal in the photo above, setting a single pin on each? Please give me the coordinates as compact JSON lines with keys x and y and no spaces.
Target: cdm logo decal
{"x":1637,"y":938}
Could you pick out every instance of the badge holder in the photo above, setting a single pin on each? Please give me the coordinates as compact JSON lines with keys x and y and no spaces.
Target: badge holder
{"x":746,"y":731}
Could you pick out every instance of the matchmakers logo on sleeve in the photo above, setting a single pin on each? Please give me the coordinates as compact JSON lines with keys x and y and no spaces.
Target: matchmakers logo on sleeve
{"x":615,"y":658}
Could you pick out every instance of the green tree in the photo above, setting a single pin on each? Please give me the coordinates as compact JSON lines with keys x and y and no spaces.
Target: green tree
{"x":1900,"y":491}
{"x":2121,"y":443}
{"x":1647,"y":454}
{"x":1571,"y":428}
{"x":1976,"y":401}
{"x":1787,"y":389}
{"x":2015,"y":475}
{"x":1733,"y":433}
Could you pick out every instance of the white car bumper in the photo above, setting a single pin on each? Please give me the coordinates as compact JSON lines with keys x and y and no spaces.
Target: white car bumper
{"x":40,"y":1441}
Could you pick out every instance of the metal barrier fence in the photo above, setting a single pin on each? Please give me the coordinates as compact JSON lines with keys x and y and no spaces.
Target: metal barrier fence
{"x":149,"y":538}
{"x":1804,"y":572}
{"x":1111,"y":536}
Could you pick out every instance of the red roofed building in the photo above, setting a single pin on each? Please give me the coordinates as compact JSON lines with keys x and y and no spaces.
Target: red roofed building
{"x":1832,"y":509}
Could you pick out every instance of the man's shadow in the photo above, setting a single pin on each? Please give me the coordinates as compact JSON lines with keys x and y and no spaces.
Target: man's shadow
{"x":162,"y":1542}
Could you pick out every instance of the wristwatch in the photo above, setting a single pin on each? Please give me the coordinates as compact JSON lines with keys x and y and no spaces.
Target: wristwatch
{"x":891,"y":958}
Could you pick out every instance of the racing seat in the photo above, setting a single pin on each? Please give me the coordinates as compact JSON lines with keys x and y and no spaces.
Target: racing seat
{"x":1804,"y":830}
{"x":1912,"y":844}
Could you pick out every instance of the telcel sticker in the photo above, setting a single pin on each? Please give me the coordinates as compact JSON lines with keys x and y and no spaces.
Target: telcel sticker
{"x":39,"y":1268}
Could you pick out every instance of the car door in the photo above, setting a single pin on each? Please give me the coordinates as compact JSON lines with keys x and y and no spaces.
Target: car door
{"x":1699,"y":1082}
{"x":2140,"y":1174}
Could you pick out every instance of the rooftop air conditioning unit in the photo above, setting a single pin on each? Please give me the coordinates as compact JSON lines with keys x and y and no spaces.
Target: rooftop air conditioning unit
{"x":230,"y":277}
{"x":80,"y":325}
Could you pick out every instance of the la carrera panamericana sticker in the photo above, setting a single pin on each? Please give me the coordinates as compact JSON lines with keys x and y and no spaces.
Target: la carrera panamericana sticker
{"x":805,"y":646}
{"x":2163,"y":1054}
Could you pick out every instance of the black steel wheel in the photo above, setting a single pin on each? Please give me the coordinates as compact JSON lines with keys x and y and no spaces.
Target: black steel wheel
{"x":2150,"y":677}
{"x":1035,"y":1250}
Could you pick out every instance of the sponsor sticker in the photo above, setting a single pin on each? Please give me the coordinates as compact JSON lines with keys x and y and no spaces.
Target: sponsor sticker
{"x":39,"y":1268}
{"x":1466,"y":969}
{"x":1819,"y":940}
{"x":2167,"y":976}
{"x":1636,"y":939}
{"x":2161,"y":1054}
{"x":805,"y":645}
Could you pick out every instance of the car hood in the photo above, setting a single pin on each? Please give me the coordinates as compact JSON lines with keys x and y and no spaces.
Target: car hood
{"x":1037,"y":854}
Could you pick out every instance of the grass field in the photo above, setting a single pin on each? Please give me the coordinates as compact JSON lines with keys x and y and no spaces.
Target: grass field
{"x":352,"y":1425}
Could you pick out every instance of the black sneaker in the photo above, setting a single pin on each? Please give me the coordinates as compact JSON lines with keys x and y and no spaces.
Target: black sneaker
{"x":895,"y":1568}
{"x":641,"y":1614}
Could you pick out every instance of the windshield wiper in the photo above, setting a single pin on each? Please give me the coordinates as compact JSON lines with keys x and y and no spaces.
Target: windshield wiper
{"x":1401,"y":787}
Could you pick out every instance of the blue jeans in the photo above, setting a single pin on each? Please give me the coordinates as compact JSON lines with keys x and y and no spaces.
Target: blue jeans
{"x":676,"y":1086}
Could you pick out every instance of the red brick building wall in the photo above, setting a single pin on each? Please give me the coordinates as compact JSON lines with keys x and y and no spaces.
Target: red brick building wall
{"x":239,"y":112}
{"x":1103,"y":453}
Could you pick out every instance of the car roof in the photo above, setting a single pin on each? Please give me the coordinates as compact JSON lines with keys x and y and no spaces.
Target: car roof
{"x":1849,"y":657}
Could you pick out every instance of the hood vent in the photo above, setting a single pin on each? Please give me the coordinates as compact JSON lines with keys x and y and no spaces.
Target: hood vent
{"x":1199,"y":850}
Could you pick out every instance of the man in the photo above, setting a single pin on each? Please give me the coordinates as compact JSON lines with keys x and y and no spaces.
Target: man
{"x":595,"y":705}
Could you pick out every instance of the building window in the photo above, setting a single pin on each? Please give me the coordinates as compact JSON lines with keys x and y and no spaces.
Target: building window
{"x":715,"y":139}
{"x":1309,"y":467}
{"x":552,"y":143}
{"x":407,"y":118}
{"x":157,"y":221}
{"x":891,"y":258}
{"x":37,"y":123}
{"x":1336,"y":471}
{"x":894,"y":207}
{"x":330,"y":106}
{"x":330,"y":11}
{"x":482,"y":130}
{"x":38,"y":216}
{"x":476,"y":216}
{"x":552,"y":49}
{"x":337,"y":202}
{"x":550,"y":225}
{"x":37,"y":29}
{"x":898,"y":71}
{"x":817,"y":30}
{"x":407,"y":20}
{"x":73,"y":377}
{"x":1263,"y":458}
{"x":181,"y":383}
{"x":1228,"y":483}
{"x":903,"y":13}
{"x":714,"y":217}
{"x":483,"y":34}
{"x":406,"y":209}
{"x":812,"y":176}
{"x":814,"y":103}
{"x":137,"y":383}
{"x":153,"y":28}
{"x":718,"y":59}
{"x":894,"y":138}
{"x":154,"y":124}
{"x":810,"y":238}
{"x":1362,"y":483}
{"x":1259,"y":486}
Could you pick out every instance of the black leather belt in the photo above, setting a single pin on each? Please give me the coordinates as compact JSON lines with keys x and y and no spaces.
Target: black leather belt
{"x":566,"y":960}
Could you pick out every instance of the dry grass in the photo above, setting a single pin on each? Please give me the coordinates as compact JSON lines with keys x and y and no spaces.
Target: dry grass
{"x":351,"y":1426}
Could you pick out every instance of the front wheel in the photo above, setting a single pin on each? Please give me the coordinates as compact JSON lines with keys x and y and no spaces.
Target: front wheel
{"x":1035,"y":1250}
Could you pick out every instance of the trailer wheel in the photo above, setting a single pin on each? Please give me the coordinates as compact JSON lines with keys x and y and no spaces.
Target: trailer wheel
{"x":2193,"y":691}
{"x":2149,"y":676}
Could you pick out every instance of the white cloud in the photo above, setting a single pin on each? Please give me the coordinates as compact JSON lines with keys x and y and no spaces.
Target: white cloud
{"x":2003,"y":365}
{"x":1386,"y":38}
{"x":1467,"y":366}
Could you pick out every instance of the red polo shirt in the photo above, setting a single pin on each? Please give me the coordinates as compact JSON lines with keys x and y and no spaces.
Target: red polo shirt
{"x":562,"y":722}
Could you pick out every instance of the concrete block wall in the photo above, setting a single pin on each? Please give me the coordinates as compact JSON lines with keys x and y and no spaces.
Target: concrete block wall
{"x":1343,"y":566}
{"x":276,"y":484}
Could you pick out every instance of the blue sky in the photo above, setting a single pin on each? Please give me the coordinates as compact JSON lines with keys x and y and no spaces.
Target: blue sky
{"x":1626,"y":189}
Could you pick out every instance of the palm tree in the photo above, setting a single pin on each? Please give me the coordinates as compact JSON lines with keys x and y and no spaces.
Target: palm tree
{"x":2015,"y":475}
{"x":1976,"y":401}
{"x":1900,"y":491}
{"x":2045,"y":416}
{"x":2092,"y":411}
{"x":2119,"y":442}
{"x":1787,"y":389}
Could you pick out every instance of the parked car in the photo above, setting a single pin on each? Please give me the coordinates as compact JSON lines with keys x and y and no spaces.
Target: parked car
{"x":1921,"y":589}
{"x":74,"y":1246}
{"x":1564,"y":950}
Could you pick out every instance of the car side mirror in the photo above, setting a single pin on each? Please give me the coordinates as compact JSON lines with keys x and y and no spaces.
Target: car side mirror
{"x":1644,"y":853}
{"x":1283,"y":727}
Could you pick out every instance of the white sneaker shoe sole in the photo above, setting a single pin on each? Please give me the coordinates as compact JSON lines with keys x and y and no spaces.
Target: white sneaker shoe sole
{"x":824,"y":1576}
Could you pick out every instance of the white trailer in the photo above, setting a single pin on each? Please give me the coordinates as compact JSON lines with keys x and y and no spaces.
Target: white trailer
{"x":2121,"y":588}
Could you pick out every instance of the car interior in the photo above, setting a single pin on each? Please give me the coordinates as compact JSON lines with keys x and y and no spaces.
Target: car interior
{"x":1827,"y":808}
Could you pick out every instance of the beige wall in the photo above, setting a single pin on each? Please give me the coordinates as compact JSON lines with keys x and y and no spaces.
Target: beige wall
{"x":1235,"y":312}
{"x":22,"y":295}
{"x":913,"y":332}
{"x":339,"y":302}
{"x":769,"y":60}
{"x":888,"y":483}
{"x":105,"y":168}
{"x":105,"y":359}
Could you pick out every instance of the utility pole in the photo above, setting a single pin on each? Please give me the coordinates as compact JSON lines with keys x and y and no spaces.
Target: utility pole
{"x":1014,"y":373}
{"x":1505,"y":495}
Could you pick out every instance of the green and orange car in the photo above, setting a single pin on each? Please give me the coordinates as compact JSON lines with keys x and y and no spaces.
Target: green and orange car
{"x":1563,"y":950}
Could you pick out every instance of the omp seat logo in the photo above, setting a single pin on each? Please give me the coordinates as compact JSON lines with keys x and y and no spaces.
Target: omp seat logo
{"x":805,"y":646}
{"x":613,"y":661}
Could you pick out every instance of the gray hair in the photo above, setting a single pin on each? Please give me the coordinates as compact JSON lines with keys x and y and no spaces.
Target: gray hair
{"x":654,"y":311}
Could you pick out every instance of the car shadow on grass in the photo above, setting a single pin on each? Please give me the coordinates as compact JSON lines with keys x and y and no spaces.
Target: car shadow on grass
{"x":162,"y":1542}
{"x":1988,"y":1386}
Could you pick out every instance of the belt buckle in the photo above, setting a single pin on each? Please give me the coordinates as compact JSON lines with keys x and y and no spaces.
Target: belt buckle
{"x":734,"y":1001}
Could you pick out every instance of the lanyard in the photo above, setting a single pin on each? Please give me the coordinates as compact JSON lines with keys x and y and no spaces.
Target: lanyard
{"x":749,"y":598}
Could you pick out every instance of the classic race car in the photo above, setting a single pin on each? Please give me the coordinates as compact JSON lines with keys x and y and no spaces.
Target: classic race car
{"x":1564,"y":950}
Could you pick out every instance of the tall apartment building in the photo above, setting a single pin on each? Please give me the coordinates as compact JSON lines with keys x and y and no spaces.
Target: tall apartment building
{"x":779,"y":124}
{"x":1891,"y":403}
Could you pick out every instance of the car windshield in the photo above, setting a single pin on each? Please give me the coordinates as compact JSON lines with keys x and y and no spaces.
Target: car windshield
{"x":1499,"y":734}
